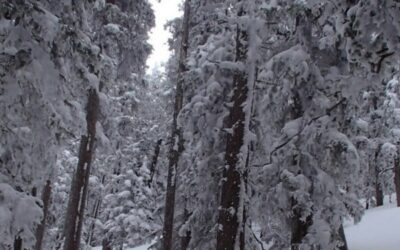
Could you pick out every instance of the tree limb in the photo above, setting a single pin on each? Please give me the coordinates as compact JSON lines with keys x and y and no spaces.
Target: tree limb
{"x":328,"y":111}
{"x":257,"y":239}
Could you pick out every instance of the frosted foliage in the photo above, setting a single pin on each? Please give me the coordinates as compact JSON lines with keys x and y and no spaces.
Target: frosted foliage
{"x":19,"y":216}
{"x":130,"y":210}
{"x":122,"y":32}
{"x":372,"y":33}
{"x":47,"y":67}
{"x":30,"y":109}
{"x":51,"y":52}
{"x":304,"y":146}
{"x":209,"y":81}
{"x":48,"y":61}
{"x":321,"y":119}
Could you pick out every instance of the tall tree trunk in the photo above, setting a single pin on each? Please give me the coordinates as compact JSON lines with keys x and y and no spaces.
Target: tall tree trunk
{"x":342,"y":237}
{"x":105,"y":244}
{"x":299,"y":227}
{"x":79,"y":186}
{"x":228,"y":217}
{"x":154,"y":161}
{"x":17,"y":243}
{"x":378,"y":193}
{"x":397,"y":177}
{"x":242,"y":245}
{"x":46,"y":195}
{"x":176,"y":143}
{"x":378,"y":186}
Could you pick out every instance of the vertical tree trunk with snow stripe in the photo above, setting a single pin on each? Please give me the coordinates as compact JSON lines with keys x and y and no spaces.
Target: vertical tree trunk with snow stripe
{"x":228,"y":217}
{"x":79,"y":186}
{"x":176,"y":142}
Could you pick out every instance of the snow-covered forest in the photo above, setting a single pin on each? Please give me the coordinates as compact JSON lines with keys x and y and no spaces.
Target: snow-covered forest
{"x":271,"y":126}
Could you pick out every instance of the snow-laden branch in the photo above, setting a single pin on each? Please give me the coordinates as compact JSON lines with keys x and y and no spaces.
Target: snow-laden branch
{"x":328,"y":111}
{"x":257,"y":239}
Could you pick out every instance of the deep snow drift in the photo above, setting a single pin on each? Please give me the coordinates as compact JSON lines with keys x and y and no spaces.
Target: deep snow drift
{"x":378,"y":230}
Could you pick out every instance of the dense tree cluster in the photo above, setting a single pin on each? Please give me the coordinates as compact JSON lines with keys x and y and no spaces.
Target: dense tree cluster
{"x":273,"y":122}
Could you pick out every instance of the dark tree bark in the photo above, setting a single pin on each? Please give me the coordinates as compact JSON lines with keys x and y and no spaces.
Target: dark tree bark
{"x":299,"y":227}
{"x":176,"y":137}
{"x":342,"y":237}
{"x":106,"y":244}
{"x":154,"y":161}
{"x":46,"y":195}
{"x":79,"y":186}
{"x":378,"y":194}
{"x":18,"y":243}
{"x":378,"y":186}
{"x":397,"y":177}
{"x":231,"y":186}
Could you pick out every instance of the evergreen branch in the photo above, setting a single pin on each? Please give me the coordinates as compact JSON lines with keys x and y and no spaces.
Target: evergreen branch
{"x":328,"y":111}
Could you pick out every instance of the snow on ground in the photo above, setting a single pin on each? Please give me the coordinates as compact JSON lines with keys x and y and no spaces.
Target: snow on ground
{"x":378,"y":230}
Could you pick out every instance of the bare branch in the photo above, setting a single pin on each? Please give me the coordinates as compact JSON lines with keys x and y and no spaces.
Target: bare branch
{"x":385,"y":170}
{"x":257,"y":239}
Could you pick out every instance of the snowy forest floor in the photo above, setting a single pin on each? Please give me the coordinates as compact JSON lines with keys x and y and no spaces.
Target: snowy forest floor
{"x":378,"y":229}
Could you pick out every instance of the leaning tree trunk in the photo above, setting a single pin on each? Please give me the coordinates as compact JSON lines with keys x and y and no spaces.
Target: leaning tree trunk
{"x":79,"y":186}
{"x":176,"y":137}
{"x":228,"y":216}
{"x":46,"y":195}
